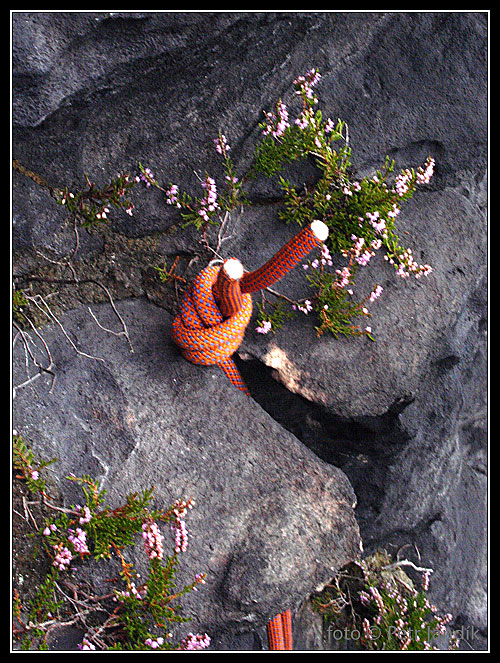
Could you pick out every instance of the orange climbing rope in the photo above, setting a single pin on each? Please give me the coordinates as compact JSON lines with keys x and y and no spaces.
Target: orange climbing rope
{"x":287,"y":257}
{"x":279,"y":631}
{"x":212,"y":322}
{"x":201,"y":331}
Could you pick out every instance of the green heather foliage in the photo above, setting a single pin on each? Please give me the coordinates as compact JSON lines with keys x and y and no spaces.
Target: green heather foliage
{"x":93,"y":205}
{"x":140,"y":614}
{"x":360,"y":212}
{"x":374,"y":605}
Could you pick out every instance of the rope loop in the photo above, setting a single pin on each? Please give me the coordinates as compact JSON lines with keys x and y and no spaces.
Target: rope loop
{"x":202,"y":333}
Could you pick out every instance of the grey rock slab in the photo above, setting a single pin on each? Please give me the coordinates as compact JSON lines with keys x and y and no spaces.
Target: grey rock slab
{"x":271,"y":522}
{"x":99,"y":92}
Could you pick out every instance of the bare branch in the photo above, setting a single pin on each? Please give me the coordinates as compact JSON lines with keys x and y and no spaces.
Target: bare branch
{"x":407,"y":562}
{"x":51,"y":316}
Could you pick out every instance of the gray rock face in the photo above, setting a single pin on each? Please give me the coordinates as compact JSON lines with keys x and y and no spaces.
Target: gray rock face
{"x":404,"y":417}
{"x":272,"y":521}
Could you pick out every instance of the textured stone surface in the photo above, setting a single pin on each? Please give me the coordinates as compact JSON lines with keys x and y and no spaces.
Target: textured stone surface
{"x":404,"y":417}
{"x":272,"y":521}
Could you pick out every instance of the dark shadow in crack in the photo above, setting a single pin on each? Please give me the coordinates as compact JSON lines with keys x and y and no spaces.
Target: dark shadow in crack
{"x":364,"y":448}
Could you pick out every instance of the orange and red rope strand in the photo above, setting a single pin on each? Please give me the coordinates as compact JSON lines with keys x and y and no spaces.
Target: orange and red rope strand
{"x":210,"y":327}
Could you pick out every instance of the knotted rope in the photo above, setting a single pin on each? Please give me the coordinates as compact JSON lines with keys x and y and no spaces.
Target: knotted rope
{"x":201,"y":331}
{"x":211,"y":325}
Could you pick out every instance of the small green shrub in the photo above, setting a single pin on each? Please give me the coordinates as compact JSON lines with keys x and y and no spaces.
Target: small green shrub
{"x":374,"y":605}
{"x":360,"y":212}
{"x":139,"y":614}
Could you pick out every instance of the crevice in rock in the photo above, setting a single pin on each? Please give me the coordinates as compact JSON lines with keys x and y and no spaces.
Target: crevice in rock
{"x":364,"y":448}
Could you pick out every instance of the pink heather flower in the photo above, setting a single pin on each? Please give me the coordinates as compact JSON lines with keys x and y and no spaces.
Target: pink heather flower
{"x":366,"y":629}
{"x":277,"y":124}
{"x":79,"y":540}
{"x":138,"y":593}
{"x":221,"y":144}
{"x":180,"y":507}
{"x":394,"y":212}
{"x":154,"y":644}
{"x":181,"y":535}
{"x":329,"y":126}
{"x":153,"y":540}
{"x":143,"y":177}
{"x":46,"y":531}
{"x":171,"y":195}
{"x":425,"y":580}
{"x":209,"y":202}
{"x":376,"y":293}
{"x":199,"y":579}
{"x":34,"y":475}
{"x":374,"y":591}
{"x":306,"y":308}
{"x":63,"y":557}
{"x":87,"y":516}
{"x":363,"y":258}
{"x":345,"y":275}
{"x":326,"y":258}
{"x":407,"y":265}
{"x":402,"y":182}
{"x":304,"y":84}
{"x":265,"y":328}
{"x":193,"y":642}
{"x":424,"y":175}
{"x":376,"y":222}
{"x":364,"y":597}
{"x":304,"y":119}
{"x":86,"y":645}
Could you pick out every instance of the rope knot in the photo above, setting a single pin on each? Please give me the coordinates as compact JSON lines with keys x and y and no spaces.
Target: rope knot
{"x":203,"y":334}
{"x":218,"y":306}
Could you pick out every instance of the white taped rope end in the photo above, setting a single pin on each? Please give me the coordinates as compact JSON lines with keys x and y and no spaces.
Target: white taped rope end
{"x":233,"y":269}
{"x":320,"y":230}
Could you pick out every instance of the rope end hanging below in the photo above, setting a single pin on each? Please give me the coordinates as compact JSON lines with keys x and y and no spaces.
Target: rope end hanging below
{"x":279,"y":632}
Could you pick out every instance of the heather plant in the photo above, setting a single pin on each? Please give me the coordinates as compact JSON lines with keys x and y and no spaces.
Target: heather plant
{"x":91,"y":206}
{"x":19,"y":301}
{"x":361,"y":213}
{"x":139,"y":614}
{"x":374,"y":604}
